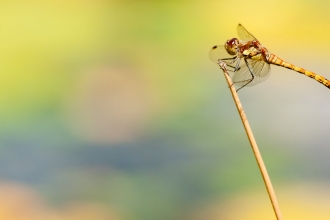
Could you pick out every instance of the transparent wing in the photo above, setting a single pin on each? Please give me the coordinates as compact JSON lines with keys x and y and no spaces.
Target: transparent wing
{"x":260,"y":70}
{"x":244,"y":34}
{"x":219,"y":52}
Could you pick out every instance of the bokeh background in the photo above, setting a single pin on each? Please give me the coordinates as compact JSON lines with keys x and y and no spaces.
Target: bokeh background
{"x":113,"y":110}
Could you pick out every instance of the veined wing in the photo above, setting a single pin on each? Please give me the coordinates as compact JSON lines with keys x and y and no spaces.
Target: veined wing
{"x":219,"y":52}
{"x":244,"y":34}
{"x":260,"y":69}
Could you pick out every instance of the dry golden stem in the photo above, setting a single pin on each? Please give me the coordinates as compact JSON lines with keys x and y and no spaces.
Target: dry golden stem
{"x":253,"y":143}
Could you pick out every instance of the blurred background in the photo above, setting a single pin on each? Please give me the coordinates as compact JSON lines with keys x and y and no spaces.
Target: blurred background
{"x":113,"y":110}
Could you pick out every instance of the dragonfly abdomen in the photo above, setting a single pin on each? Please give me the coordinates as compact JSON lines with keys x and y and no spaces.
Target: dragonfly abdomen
{"x":273,"y":59}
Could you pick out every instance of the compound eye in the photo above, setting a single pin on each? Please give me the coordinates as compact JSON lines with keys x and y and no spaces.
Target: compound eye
{"x":231,"y":46}
{"x":233,"y":42}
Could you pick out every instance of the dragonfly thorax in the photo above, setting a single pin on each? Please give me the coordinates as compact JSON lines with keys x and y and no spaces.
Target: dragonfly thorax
{"x":231,"y":46}
{"x":250,"y":52}
{"x":251,"y":49}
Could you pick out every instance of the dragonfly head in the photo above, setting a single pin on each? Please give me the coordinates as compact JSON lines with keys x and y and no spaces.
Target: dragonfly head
{"x":231,"y":46}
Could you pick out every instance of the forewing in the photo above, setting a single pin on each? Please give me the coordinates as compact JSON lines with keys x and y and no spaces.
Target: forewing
{"x":244,"y":34}
{"x":219,"y":52}
{"x":260,"y":70}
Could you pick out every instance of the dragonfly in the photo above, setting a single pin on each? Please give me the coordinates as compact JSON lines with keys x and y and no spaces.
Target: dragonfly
{"x":250,"y":61}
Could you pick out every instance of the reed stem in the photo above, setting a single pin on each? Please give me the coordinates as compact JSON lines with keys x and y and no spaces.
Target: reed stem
{"x":253,"y":143}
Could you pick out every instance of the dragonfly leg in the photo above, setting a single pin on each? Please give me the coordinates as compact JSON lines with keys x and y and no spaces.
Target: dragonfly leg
{"x":233,"y":60}
{"x":237,"y":65}
{"x":249,"y":80}
{"x":237,"y":60}
{"x":233,"y":68}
